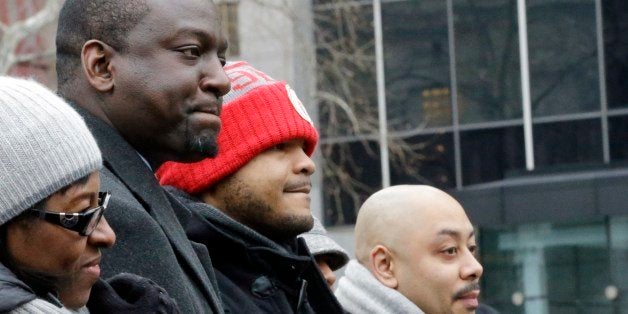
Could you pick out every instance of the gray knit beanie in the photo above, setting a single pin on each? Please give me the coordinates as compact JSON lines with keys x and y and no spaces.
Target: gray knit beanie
{"x":319,"y":243}
{"x":44,"y":146}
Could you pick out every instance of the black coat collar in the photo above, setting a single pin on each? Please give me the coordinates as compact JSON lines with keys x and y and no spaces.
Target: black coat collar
{"x":127,"y":165}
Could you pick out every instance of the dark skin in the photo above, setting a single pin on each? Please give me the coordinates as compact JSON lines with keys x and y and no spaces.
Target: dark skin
{"x":71,"y":260}
{"x":163,"y":93}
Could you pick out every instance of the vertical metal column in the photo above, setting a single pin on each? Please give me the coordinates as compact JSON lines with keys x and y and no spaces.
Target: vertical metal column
{"x":525,"y":83}
{"x":453,"y":78}
{"x":601,"y":63}
{"x":381,"y":92}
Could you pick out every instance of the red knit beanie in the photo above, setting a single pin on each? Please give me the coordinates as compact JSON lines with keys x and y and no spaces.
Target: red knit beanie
{"x":258,"y":113}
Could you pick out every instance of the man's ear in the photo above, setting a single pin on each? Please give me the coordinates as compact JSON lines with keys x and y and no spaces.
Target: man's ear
{"x":96,"y":61}
{"x":383,"y":266}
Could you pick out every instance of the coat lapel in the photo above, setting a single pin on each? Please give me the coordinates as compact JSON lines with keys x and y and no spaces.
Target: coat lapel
{"x":120,"y":157}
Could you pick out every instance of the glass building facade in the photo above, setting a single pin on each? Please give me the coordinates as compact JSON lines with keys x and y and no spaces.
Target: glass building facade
{"x":517,"y":107}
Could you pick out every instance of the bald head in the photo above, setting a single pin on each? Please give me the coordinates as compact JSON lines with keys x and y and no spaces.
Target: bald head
{"x":389,"y":216}
{"x":418,"y":240}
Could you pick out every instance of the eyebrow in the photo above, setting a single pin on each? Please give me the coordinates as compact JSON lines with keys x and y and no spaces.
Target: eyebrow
{"x":200,"y":34}
{"x":453,"y":233}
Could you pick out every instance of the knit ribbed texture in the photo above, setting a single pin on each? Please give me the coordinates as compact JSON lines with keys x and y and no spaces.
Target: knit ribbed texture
{"x":39,"y":306}
{"x":360,"y":292}
{"x":258,"y":113}
{"x":44,"y":146}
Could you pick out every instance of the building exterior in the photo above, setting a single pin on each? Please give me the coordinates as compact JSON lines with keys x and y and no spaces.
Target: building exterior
{"x":519,"y":108}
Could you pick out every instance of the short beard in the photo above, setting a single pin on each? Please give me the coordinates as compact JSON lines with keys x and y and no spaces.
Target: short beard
{"x":244,"y":206}
{"x":203,"y":146}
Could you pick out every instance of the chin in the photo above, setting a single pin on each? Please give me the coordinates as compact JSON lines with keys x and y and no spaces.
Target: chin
{"x":76,"y":295}
{"x":293,"y":225}
{"x":77,"y":301}
{"x":310,"y":219}
{"x":463,"y":309}
{"x":196,"y":148}
{"x":190,"y":155}
{"x":306,"y":221}
{"x":302,"y":215}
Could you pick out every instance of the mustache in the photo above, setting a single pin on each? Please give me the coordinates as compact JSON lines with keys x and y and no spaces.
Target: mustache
{"x":467,"y":289}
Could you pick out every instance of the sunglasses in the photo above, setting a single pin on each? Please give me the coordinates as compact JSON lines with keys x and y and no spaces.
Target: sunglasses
{"x":84,"y":222}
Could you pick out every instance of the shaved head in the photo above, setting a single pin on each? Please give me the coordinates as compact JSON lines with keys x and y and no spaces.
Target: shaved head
{"x":388,"y":216}
{"x":418,"y":240}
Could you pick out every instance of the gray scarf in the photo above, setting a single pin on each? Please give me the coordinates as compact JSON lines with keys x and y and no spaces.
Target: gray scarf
{"x":40,"y":306}
{"x":359,"y":292}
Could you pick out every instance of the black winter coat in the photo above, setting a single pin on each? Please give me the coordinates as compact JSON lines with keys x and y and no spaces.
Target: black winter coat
{"x":254,"y":273}
{"x":151,"y":241}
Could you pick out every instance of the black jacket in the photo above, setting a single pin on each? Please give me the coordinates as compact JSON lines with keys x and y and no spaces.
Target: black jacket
{"x":254,"y":273}
{"x":151,"y":240}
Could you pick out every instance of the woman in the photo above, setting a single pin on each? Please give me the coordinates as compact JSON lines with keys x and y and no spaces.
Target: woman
{"x":51,"y":211}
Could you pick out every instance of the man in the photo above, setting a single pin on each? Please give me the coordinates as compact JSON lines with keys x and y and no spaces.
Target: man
{"x":147,"y":77}
{"x":254,"y":197}
{"x":329,"y":255}
{"x":415,"y":250}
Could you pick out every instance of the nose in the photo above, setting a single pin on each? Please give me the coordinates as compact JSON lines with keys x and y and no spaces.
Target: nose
{"x":304,"y":163}
{"x":472,"y":269}
{"x":103,"y":235}
{"x":214,"y":79}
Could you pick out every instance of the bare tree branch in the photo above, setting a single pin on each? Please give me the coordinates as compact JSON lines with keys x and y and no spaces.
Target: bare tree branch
{"x":16,"y":32}
{"x":334,"y":99}
{"x":347,"y":107}
{"x":30,"y":57}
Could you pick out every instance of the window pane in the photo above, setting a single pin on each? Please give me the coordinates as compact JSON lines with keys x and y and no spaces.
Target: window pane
{"x":425,"y":159}
{"x":615,"y":50}
{"x":569,"y":142}
{"x":351,"y":173}
{"x":501,"y":276}
{"x":563,"y":57}
{"x":487,"y":60}
{"x":417,"y":64}
{"x":345,"y":61}
{"x":556,"y":268}
{"x":488,"y":155}
{"x":619,"y":256}
{"x":618,"y":137}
